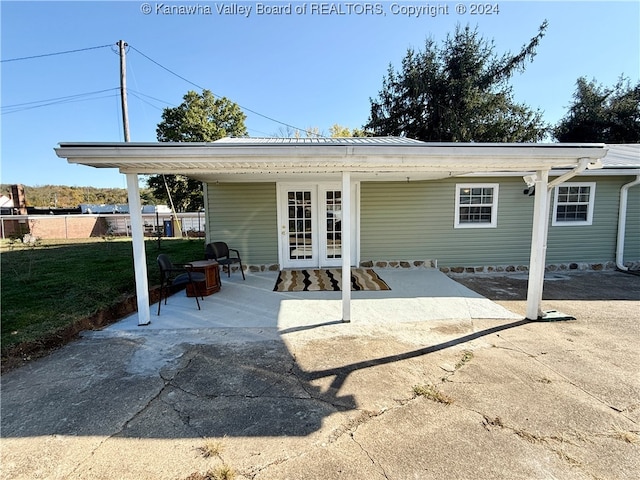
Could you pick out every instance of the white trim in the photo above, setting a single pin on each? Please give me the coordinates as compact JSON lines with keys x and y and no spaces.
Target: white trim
{"x":318,"y":225}
{"x":323,"y":260}
{"x":283,"y":205}
{"x":494,"y":206}
{"x":604,"y":172}
{"x":590,"y":207}
{"x":192,"y":159}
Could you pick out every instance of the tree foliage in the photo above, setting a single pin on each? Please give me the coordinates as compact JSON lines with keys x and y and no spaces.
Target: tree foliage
{"x":335,"y":131}
{"x":186,"y":193}
{"x":457,"y":92}
{"x":602,"y":114}
{"x":339,"y":131}
{"x":199,"y":118}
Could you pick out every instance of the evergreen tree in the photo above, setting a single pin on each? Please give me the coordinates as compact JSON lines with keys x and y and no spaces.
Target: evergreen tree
{"x":602,"y":114}
{"x":458,"y":92}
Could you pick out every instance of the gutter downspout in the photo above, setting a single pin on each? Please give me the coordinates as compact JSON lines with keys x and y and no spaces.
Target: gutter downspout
{"x":622,"y":220}
{"x":583,"y":164}
{"x":540,"y":235}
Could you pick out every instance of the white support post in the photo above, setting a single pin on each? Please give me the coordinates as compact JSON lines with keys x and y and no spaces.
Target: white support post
{"x":538,"y":245}
{"x":139,"y":256}
{"x":346,"y":246}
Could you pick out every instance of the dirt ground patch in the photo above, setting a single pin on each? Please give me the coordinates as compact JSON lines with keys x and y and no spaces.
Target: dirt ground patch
{"x":27,"y":351}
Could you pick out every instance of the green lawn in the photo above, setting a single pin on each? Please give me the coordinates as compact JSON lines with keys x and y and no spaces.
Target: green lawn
{"x":55,"y":283}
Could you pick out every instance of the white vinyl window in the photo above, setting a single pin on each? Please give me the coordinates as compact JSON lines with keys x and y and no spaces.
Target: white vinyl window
{"x":476,"y":205}
{"x":573,"y":204}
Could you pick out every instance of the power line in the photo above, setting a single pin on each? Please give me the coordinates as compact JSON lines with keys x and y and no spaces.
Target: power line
{"x":73,"y":98}
{"x":202,"y":88}
{"x":19,"y":107}
{"x":59,"y":98}
{"x":55,"y":53}
{"x":139,"y":96}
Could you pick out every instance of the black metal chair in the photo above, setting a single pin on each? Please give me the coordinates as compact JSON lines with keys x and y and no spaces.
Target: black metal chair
{"x":220,"y":252}
{"x":177,"y":275}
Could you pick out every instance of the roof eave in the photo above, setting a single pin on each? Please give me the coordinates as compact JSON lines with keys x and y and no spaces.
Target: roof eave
{"x":194,"y":157}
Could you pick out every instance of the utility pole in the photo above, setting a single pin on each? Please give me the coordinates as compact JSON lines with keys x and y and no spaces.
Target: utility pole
{"x":123,"y":88}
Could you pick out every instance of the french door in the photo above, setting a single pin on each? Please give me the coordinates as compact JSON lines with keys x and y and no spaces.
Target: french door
{"x":310,"y":222}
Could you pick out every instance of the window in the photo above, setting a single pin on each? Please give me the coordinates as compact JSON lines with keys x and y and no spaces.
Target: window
{"x":476,"y":205}
{"x":574,"y":204}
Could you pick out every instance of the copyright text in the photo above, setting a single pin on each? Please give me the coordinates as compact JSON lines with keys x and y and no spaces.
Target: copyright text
{"x":247,"y":9}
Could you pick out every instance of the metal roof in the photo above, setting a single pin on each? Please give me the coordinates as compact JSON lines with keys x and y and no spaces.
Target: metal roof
{"x":319,"y":141}
{"x":622,"y":156}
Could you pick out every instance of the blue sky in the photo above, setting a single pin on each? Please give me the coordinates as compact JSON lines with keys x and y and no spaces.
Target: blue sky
{"x":304,"y":70}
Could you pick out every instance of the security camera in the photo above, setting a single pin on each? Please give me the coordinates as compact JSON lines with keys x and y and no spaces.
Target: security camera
{"x":530,"y":180}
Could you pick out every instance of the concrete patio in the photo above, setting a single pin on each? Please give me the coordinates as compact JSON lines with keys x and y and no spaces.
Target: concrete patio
{"x":279,"y":389}
{"x":416,"y":295}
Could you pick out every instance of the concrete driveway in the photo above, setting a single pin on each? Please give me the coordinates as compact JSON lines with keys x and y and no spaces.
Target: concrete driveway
{"x":470,"y":397}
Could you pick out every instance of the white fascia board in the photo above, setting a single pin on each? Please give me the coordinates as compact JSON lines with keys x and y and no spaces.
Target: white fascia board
{"x":434,"y":152}
{"x":197,"y":158}
{"x":604,"y":172}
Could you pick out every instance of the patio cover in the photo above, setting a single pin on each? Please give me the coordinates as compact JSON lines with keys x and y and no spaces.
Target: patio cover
{"x":368,"y":158}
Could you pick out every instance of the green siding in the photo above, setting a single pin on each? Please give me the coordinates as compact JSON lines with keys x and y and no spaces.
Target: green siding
{"x":589,"y":243}
{"x":244,"y":216}
{"x":415,"y":221}
{"x":407,"y":221}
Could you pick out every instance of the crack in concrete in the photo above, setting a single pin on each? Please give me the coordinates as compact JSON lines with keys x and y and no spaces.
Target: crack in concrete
{"x":93,"y":451}
{"x":571,"y":382}
{"x":166,"y":383}
{"x":371,"y":459}
{"x":254,"y":471}
{"x":545,"y":441}
{"x":350,"y":427}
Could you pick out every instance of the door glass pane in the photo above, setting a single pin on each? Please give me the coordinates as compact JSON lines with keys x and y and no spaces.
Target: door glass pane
{"x":333,"y":207}
{"x":300,"y":225}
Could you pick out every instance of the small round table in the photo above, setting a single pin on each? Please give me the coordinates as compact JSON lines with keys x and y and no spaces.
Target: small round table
{"x":211,"y":285}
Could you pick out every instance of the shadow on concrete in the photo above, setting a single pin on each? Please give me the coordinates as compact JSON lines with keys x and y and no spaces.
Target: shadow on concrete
{"x":343,"y":372}
{"x":211,"y":389}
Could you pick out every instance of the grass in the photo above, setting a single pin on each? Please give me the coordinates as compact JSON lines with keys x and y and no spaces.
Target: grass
{"x":52,"y":284}
{"x":221,"y":472}
{"x":211,"y":448}
{"x":625,"y":435}
{"x":432,"y":393}
{"x":467,"y":356}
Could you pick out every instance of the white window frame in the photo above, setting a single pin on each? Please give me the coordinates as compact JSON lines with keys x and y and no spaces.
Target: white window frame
{"x":494,"y":206}
{"x":590,"y":205}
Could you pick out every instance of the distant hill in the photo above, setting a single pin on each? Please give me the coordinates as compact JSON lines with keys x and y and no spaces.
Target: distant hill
{"x":63,"y":196}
